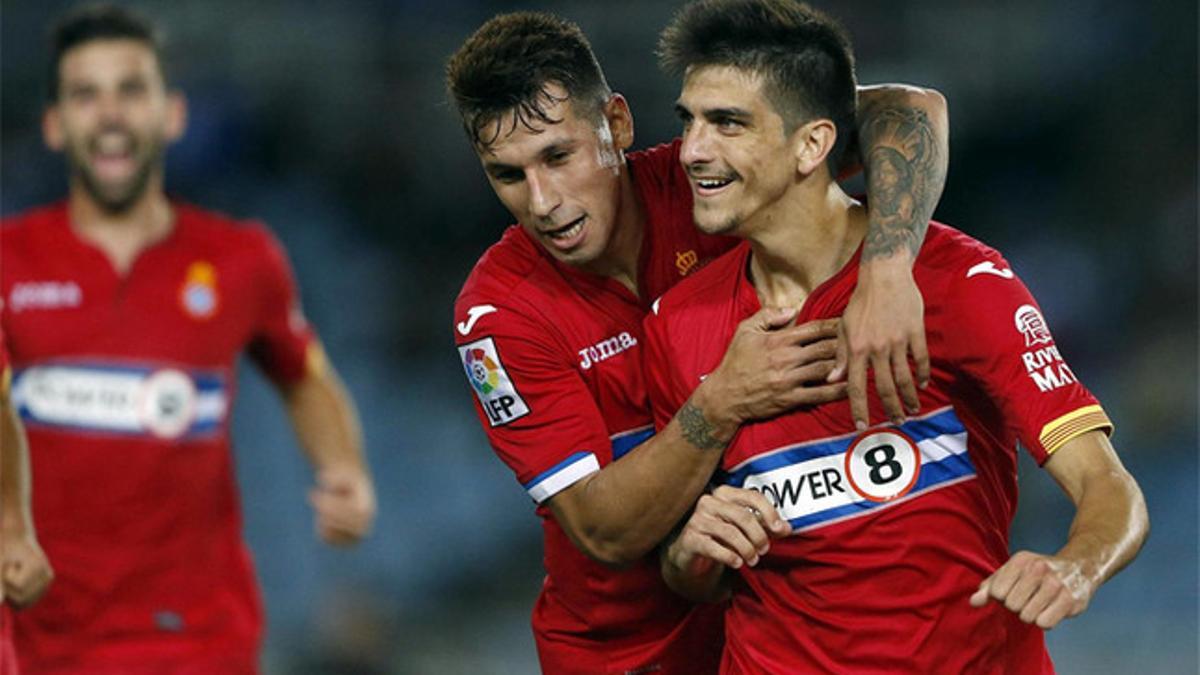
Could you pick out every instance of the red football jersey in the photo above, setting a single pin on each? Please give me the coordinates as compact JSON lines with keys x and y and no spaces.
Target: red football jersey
{"x":553,"y":356}
{"x":125,"y":385}
{"x":895,"y":527}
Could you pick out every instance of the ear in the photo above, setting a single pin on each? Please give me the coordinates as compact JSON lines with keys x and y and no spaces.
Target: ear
{"x":176,"y":116}
{"x":52,"y":131}
{"x":813,"y":142}
{"x":620,"y":121}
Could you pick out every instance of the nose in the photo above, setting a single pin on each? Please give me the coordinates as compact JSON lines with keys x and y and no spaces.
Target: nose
{"x":696,"y":148}
{"x":111,"y":109}
{"x":543,"y":197}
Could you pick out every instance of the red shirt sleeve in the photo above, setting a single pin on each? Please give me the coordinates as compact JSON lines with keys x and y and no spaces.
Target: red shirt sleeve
{"x":539,"y":415}
{"x":997,"y":334}
{"x":284,"y":344}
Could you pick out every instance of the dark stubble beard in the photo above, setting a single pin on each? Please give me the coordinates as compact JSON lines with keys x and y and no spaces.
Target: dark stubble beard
{"x":118,"y":198}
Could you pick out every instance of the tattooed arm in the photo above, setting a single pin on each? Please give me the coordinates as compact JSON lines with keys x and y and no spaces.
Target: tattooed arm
{"x":620,"y":513}
{"x":903,"y":141}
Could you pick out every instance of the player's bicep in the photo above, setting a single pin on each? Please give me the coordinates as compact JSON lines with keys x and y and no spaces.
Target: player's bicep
{"x":284,"y":344}
{"x":539,"y":416}
{"x":1003,"y":342}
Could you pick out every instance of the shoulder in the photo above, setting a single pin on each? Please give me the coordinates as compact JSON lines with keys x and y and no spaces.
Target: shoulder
{"x":223,"y":230}
{"x":511,"y":283}
{"x":22,"y":227}
{"x":951,"y":253}
{"x":657,"y":160}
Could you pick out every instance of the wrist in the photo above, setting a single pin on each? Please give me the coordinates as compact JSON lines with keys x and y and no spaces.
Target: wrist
{"x":16,"y":522}
{"x":712,"y":413}
{"x":893,"y":265}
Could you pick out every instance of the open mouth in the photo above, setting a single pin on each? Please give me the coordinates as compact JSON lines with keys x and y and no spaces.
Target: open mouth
{"x":710,"y":186}
{"x":567,"y":232}
{"x":112,"y":155}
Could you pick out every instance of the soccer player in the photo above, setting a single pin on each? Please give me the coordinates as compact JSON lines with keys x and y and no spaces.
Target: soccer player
{"x":886,"y":550}
{"x":24,"y":571}
{"x":548,"y":326}
{"x":125,"y":312}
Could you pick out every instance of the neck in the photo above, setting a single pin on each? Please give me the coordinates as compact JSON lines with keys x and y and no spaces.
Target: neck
{"x":810,"y":235}
{"x":122,"y":235}
{"x":620,"y":259}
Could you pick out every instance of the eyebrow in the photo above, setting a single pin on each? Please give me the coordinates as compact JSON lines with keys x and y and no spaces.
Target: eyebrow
{"x":544,"y":153}
{"x":716,"y":113}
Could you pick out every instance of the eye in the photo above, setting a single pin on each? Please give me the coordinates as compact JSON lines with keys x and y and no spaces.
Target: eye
{"x":133,"y":88}
{"x":81,"y":94}
{"x":558,"y":157}
{"x":509,"y":177}
{"x":685,"y":118}
{"x":728,"y":124}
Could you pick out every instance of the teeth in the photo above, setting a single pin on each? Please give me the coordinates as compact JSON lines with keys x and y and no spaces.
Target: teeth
{"x":113,"y":144}
{"x":713,"y":184}
{"x":569,"y":232}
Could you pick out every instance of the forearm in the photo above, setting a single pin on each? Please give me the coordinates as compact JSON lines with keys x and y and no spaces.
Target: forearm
{"x":622,"y":512}
{"x":1109,"y":527}
{"x":14,"y":473}
{"x":325,"y":421}
{"x":903,"y":140}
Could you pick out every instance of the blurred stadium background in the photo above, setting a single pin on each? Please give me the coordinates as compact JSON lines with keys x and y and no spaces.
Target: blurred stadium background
{"x":1074,"y":139}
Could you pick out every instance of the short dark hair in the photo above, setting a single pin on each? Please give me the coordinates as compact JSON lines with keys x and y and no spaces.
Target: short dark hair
{"x":505,"y":67}
{"x":803,"y":55}
{"x":101,"y":21}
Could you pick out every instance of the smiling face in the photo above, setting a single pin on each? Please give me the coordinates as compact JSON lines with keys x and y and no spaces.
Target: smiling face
{"x":735,"y":149}
{"x":113,"y":118}
{"x":561,"y":180}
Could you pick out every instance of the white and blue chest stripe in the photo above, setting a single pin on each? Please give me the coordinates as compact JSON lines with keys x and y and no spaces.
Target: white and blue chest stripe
{"x":564,"y":474}
{"x":827,"y":480}
{"x":160,"y":402}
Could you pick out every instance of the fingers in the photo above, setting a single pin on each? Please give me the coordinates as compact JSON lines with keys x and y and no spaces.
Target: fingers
{"x":842,"y":358}
{"x":811,"y":331}
{"x":856,"y":389}
{"x":882,"y":365}
{"x":27,"y":576}
{"x":733,"y":526}
{"x":981,"y":596}
{"x":344,"y":505}
{"x":725,"y":532}
{"x":920,"y":354}
{"x":1033,"y":587}
{"x":1060,"y":608}
{"x":904,"y":382}
{"x":761,"y":507}
{"x":772,"y":318}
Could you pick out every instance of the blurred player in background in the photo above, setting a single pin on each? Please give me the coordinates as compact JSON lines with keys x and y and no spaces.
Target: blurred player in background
{"x":548,"y":327}
{"x":24,"y":569}
{"x":899,"y":535}
{"x":125,"y":312}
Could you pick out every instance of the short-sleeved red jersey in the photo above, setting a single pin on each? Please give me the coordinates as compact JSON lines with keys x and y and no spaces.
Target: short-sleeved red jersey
{"x":125,"y":384}
{"x":553,"y":357}
{"x":895,"y":527}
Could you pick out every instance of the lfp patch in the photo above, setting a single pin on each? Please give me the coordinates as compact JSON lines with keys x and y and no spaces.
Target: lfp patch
{"x":497,"y":394}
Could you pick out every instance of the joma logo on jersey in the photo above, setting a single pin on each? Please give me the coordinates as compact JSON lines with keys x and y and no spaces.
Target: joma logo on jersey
{"x":44,"y":295}
{"x":497,"y":395}
{"x":605,"y":349}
